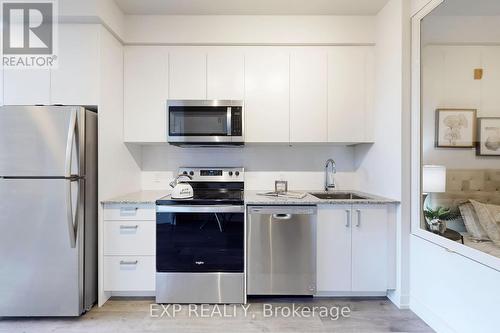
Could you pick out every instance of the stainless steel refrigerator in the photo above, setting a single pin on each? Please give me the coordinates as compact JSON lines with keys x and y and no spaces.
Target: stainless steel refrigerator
{"x":48,"y":210}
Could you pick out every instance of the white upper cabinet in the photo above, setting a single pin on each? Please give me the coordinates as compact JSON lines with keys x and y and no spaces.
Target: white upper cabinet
{"x":291,"y":94}
{"x":225,"y":73}
{"x":308,"y":95}
{"x":146,"y":93}
{"x":267,"y":95}
{"x":26,"y":86}
{"x":74,"y":81}
{"x":350,"y":93}
{"x":370,"y":239}
{"x":187,"y":73}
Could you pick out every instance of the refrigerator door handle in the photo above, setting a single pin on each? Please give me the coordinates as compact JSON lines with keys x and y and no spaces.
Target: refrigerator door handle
{"x":69,"y":143}
{"x":72,"y":221}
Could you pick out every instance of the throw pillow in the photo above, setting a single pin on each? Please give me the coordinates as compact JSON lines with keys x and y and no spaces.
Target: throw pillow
{"x":487,"y":217}
{"x":472,"y":223}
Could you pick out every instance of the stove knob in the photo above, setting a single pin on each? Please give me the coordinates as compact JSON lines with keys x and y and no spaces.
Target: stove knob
{"x":237,"y":173}
{"x":230,"y":173}
{"x":185,"y":173}
{"x":191,"y":173}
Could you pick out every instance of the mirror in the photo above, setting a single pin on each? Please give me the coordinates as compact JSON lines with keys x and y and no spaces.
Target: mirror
{"x":460,"y":123}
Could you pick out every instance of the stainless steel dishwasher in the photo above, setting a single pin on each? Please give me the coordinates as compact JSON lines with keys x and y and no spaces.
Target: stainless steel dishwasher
{"x":281,"y":250}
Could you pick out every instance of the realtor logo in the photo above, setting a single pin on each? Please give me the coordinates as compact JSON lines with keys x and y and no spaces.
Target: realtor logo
{"x":28,"y":33}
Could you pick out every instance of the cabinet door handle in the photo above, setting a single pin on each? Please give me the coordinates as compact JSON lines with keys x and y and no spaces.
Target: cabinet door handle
{"x":347,"y":218}
{"x":358,"y":222}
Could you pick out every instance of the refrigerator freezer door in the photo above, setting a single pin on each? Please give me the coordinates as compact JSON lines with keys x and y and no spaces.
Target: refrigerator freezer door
{"x":40,"y":272}
{"x":39,"y":141}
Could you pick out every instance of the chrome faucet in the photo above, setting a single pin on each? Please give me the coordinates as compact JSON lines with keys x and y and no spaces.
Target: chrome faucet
{"x":329,"y":175}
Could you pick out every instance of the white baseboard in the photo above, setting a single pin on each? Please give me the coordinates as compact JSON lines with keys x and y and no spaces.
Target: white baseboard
{"x":432,"y":319}
{"x":132,"y":294}
{"x":350,"y":294}
{"x":401,"y":301}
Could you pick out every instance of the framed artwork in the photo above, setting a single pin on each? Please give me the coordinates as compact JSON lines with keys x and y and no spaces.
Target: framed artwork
{"x":455,"y":128}
{"x":488,"y":137}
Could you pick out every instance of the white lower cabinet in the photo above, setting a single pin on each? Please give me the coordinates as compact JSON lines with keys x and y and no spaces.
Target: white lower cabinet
{"x":333,"y":257}
{"x":129,"y":273}
{"x":129,"y":247}
{"x":352,"y":249}
{"x":137,"y":237}
{"x":369,"y":248}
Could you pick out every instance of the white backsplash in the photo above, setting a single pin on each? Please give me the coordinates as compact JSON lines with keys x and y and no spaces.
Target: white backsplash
{"x":302,"y":166}
{"x":264,"y":180}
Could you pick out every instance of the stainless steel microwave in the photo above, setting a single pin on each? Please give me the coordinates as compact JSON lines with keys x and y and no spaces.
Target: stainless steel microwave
{"x":205,"y":122}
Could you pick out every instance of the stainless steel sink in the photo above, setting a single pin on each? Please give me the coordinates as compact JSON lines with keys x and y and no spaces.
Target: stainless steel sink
{"x":338,"y":196}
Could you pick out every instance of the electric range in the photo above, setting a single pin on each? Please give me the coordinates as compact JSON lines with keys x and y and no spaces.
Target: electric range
{"x":200,"y":241}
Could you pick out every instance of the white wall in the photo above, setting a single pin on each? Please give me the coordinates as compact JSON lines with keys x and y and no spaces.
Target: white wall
{"x":118,"y":170}
{"x":243,"y":29}
{"x":452,"y":293}
{"x":384,"y":158}
{"x":448,"y":82}
{"x":119,"y":165}
{"x":302,"y":166}
{"x":380,"y":167}
{"x":438,"y":29}
{"x":105,"y":12}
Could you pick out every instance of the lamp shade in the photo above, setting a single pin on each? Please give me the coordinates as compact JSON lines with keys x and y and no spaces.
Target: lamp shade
{"x":434,"y":178}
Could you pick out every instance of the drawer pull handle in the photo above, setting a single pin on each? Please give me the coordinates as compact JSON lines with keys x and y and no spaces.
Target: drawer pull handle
{"x":128,"y":211}
{"x":123,"y":262}
{"x":129,"y":227}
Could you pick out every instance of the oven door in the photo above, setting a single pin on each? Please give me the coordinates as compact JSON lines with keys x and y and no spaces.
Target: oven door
{"x":200,"y":238}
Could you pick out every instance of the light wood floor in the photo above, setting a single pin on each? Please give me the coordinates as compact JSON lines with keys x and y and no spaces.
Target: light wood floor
{"x":124,"y":315}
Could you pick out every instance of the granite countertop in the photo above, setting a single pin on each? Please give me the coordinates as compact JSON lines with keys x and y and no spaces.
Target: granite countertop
{"x":140,"y":197}
{"x":253,"y":198}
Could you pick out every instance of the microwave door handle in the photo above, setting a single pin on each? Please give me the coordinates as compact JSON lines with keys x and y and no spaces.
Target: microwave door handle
{"x":229,"y":121}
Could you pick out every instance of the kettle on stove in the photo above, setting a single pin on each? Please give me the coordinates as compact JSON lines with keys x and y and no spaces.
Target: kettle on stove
{"x":182,"y":189}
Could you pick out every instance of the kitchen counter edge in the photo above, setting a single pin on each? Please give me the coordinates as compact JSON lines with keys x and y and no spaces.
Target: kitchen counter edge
{"x":139,"y":197}
{"x":253,"y":198}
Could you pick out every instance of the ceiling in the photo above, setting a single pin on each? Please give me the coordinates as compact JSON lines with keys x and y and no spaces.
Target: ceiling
{"x":251,"y":7}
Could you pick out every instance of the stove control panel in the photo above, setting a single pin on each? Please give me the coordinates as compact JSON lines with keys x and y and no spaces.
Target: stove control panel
{"x":214,"y":174}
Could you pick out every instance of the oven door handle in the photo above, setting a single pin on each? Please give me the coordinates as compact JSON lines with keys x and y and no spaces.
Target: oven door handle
{"x":199,"y":209}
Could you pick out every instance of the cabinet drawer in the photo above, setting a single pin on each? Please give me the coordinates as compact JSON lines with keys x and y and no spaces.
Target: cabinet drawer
{"x":129,"y":238}
{"x":130,"y":212}
{"x":129,"y":273}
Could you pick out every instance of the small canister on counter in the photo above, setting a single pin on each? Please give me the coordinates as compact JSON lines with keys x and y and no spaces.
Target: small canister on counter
{"x":280,"y":186}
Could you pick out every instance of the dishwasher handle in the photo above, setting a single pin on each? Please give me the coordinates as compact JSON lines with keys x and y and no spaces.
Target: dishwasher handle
{"x":282,"y":216}
{"x":282,"y":212}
